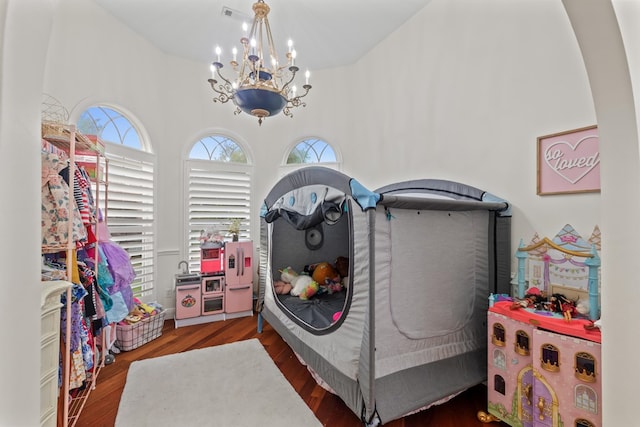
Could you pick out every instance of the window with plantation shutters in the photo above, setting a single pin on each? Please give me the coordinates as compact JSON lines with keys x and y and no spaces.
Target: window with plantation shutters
{"x":130,"y":191}
{"x":131,"y":212}
{"x":218,"y":185}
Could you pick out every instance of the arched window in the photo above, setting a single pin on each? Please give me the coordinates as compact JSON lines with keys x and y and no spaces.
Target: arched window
{"x":586,"y":398}
{"x":550,"y":358}
{"x":585,"y":367}
{"x":130,"y":196}
{"x":498,"y":336}
{"x":499,"y":359}
{"x":111,"y":126}
{"x":499,"y":384}
{"x":218,"y":185}
{"x":218,"y":148}
{"x":584,"y":423}
{"x":521,"y":346}
{"x":311,"y":150}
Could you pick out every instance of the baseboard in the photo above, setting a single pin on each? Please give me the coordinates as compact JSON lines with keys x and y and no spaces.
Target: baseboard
{"x":211,"y":318}
{"x":238,"y":314}
{"x":199,"y":320}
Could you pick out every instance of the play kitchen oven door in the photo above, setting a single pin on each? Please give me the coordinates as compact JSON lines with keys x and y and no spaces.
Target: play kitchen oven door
{"x":188,"y":296}
{"x":212,"y":294}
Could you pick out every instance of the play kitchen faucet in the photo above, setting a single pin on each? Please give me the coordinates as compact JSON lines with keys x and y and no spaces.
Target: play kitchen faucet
{"x":185,"y":267}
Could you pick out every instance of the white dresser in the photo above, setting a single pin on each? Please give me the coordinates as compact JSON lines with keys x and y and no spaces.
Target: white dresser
{"x":50,"y":349}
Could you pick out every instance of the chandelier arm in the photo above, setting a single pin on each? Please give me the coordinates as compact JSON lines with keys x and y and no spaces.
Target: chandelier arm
{"x":293,"y":70}
{"x":295,"y":102}
{"x":224,"y":93}
{"x":287,"y":111}
{"x":228,"y":85}
{"x":297,"y":97}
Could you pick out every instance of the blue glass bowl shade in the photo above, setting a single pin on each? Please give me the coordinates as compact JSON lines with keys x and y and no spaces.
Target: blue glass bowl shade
{"x":258,"y":101}
{"x":264,"y":76}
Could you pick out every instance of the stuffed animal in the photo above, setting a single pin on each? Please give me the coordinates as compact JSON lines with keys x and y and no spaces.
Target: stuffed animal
{"x":301,"y":285}
{"x":281,"y":287}
{"x":324,"y":272}
{"x":342,"y":266}
{"x":310,"y":290}
{"x":288,"y":275}
{"x":328,"y":276}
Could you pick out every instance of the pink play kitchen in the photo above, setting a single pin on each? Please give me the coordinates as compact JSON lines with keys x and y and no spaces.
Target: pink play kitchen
{"x":222,"y":289}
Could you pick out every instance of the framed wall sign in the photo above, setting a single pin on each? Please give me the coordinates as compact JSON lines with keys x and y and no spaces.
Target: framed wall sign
{"x":569,"y":162}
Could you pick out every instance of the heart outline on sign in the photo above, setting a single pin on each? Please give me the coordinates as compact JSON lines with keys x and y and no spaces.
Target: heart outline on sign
{"x":573,"y":149}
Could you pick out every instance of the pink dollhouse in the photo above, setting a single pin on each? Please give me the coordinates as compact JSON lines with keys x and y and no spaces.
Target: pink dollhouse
{"x":544,"y":369}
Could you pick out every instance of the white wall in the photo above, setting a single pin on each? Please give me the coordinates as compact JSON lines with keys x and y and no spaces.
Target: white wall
{"x":23,"y":45}
{"x":604,"y":56}
{"x":459,"y":92}
{"x":468,"y":99}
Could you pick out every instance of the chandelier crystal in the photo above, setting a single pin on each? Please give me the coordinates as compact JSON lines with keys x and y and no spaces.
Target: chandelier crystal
{"x":261,"y":86}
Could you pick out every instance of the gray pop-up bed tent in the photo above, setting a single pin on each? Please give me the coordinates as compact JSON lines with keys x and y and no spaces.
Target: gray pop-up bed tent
{"x":408,"y":329}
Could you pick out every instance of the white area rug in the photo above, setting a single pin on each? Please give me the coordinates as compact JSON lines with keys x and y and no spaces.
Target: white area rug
{"x":231,"y":385}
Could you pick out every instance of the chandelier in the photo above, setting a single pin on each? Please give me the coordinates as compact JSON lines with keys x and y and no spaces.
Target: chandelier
{"x":261,"y":87}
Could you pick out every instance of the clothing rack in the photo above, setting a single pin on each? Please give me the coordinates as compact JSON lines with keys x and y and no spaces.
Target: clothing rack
{"x":64,"y":139}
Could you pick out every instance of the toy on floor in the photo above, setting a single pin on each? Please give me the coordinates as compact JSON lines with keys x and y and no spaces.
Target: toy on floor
{"x":323,"y":272}
{"x":316,"y":279}
{"x":302,"y":285}
{"x":310,"y":290}
{"x":282,"y":287}
{"x":342,"y":267}
{"x":327,"y":277}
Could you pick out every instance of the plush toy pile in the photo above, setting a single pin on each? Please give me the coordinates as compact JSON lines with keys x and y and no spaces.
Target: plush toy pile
{"x":315,"y":279}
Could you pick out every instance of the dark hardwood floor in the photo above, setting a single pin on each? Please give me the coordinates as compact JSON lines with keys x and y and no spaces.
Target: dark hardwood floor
{"x":102,"y":405}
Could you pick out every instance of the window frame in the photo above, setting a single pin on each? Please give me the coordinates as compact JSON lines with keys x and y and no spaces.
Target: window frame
{"x":142,"y":154}
{"x":190,"y":248}
{"x":149,"y":286}
{"x":286,"y":168}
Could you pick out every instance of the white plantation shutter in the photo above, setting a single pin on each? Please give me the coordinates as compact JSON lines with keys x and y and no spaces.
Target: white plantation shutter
{"x":130,"y":211}
{"x":217,"y":193}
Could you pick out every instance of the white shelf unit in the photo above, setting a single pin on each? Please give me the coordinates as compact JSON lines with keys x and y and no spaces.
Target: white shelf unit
{"x":50,"y":348}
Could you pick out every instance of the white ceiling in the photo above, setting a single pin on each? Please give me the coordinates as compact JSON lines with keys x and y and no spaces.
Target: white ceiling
{"x":326,"y":33}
